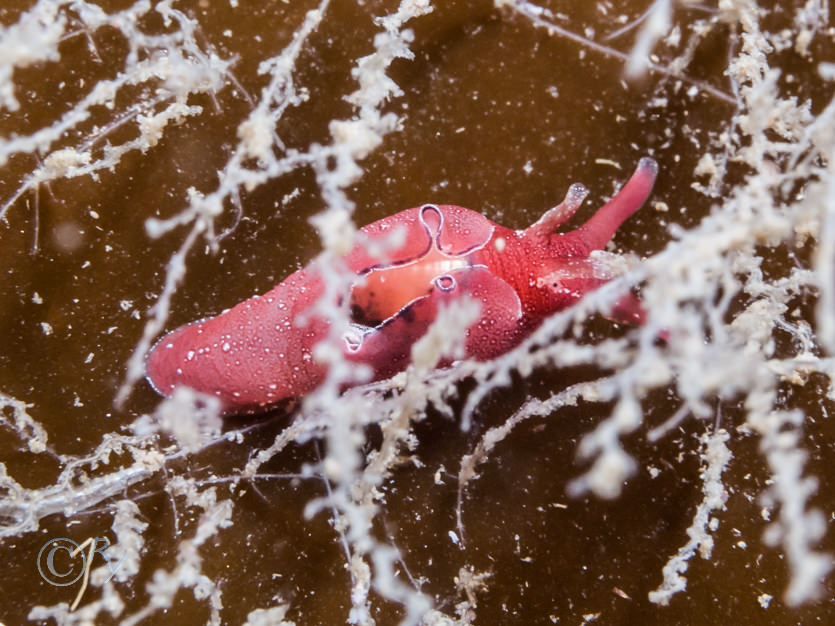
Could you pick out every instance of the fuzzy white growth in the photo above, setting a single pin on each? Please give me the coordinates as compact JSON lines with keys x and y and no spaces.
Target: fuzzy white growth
{"x":126,"y":552}
{"x":446,"y":335}
{"x":656,"y":26}
{"x":23,"y":425}
{"x":709,"y":289}
{"x":716,"y":456}
{"x":470,"y":584}
{"x":798,"y":529}
{"x":174,"y":62}
{"x":596,"y":391}
{"x":187,"y":573}
{"x":273,"y":616}
{"x":203,"y":423}
{"x":76,"y":489}
{"x":33,"y":38}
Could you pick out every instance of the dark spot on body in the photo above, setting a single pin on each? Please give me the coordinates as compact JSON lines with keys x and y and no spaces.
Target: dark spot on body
{"x":407,"y":314}
{"x":363,"y":317}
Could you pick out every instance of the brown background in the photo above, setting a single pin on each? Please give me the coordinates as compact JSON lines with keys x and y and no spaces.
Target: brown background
{"x":479,"y":105}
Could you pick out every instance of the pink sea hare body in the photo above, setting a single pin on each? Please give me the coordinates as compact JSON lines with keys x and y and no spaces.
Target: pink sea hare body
{"x":261,"y":351}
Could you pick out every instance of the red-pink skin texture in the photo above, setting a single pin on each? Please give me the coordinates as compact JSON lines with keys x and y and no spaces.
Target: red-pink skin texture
{"x":260,"y":352}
